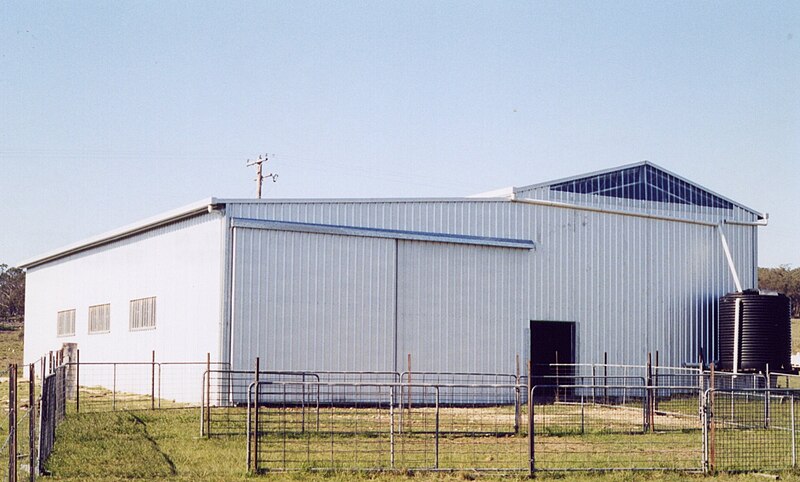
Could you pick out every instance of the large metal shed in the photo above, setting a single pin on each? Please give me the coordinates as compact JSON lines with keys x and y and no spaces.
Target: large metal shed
{"x":624,"y":261}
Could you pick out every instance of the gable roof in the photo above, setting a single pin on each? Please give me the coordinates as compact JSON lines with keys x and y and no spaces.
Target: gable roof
{"x":642,"y":181}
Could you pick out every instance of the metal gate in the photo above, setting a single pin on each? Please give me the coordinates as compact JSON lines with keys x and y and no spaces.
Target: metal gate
{"x":386,"y":426}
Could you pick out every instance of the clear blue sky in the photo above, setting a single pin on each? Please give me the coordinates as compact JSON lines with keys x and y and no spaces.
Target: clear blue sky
{"x":114,"y":111}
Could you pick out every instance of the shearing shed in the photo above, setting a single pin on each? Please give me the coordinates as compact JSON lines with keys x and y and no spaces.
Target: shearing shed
{"x":623,"y":261}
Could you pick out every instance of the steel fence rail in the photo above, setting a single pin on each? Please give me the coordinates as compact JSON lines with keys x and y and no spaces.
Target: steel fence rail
{"x":225,"y":392}
{"x":444,"y":429}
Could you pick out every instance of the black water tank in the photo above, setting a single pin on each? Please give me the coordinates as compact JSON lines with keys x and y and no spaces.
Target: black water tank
{"x":765,"y":335}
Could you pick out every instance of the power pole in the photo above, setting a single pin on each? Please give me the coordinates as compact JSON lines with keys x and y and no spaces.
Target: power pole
{"x":259,"y":172}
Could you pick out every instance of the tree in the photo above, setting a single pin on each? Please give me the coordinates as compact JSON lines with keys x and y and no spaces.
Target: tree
{"x":782,"y":279}
{"x":12,"y":294}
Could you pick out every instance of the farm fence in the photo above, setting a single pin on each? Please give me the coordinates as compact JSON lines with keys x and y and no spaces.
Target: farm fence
{"x":33,"y":411}
{"x":579,"y":417}
{"x":751,"y":430}
{"x":385,"y":426}
{"x":562,"y":428}
{"x":670,"y":421}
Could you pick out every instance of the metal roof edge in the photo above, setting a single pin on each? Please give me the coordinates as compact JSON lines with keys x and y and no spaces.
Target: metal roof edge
{"x":162,"y":219}
{"x":361,"y":200}
{"x":199,"y":207}
{"x":636,"y":164}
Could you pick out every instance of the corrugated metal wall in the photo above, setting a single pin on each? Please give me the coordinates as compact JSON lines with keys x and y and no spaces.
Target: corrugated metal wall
{"x":459,"y":307}
{"x":308,"y":300}
{"x":631,"y":284}
{"x":313,"y":300}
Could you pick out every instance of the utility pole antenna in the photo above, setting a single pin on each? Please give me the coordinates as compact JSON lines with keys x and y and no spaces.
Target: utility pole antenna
{"x":259,"y":172}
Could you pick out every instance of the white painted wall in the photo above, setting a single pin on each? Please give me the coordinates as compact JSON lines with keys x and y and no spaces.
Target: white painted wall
{"x":180,"y":264}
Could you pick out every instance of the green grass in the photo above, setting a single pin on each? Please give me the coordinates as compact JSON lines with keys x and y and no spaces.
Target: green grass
{"x":164,"y":445}
{"x":11,"y":337}
{"x":143,"y":445}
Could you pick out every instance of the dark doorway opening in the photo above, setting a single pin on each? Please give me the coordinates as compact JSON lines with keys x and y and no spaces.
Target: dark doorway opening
{"x":552,"y":349}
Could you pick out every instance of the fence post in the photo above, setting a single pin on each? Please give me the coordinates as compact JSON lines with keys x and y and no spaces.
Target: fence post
{"x":114,"y":387}
{"x":391,"y":425}
{"x":303,"y":404}
{"x":700,"y":382}
{"x":704,"y":423}
{"x":655,"y":385}
{"x":208,"y":394}
{"x":248,"y":431}
{"x":158,"y":385}
{"x":32,"y":422}
{"x":794,"y":441}
{"x":12,"y":422}
{"x":78,"y":380}
{"x":531,"y":452}
{"x":647,"y":394}
{"x":516,"y":399}
{"x":409,"y":383}
{"x":153,"y":381}
{"x":254,"y":444}
{"x":712,"y":436}
{"x":605,"y":377}
{"x":766,"y":398}
{"x":436,"y":444}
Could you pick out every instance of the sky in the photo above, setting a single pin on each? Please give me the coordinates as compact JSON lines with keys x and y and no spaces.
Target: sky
{"x":111,"y":112}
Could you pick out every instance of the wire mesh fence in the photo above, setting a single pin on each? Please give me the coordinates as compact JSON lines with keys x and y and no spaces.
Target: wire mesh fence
{"x":225,"y":395}
{"x":784,"y":380}
{"x":623,"y":430}
{"x":752,"y":429}
{"x":149,"y":385}
{"x":385,"y":427}
{"x":52,"y":411}
{"x":588,"y":417}
{"x":21,"y":427}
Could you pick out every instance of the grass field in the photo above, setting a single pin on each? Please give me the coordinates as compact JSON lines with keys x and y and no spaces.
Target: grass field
{"x":164,"y":446}
{"x":10,"y":346}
